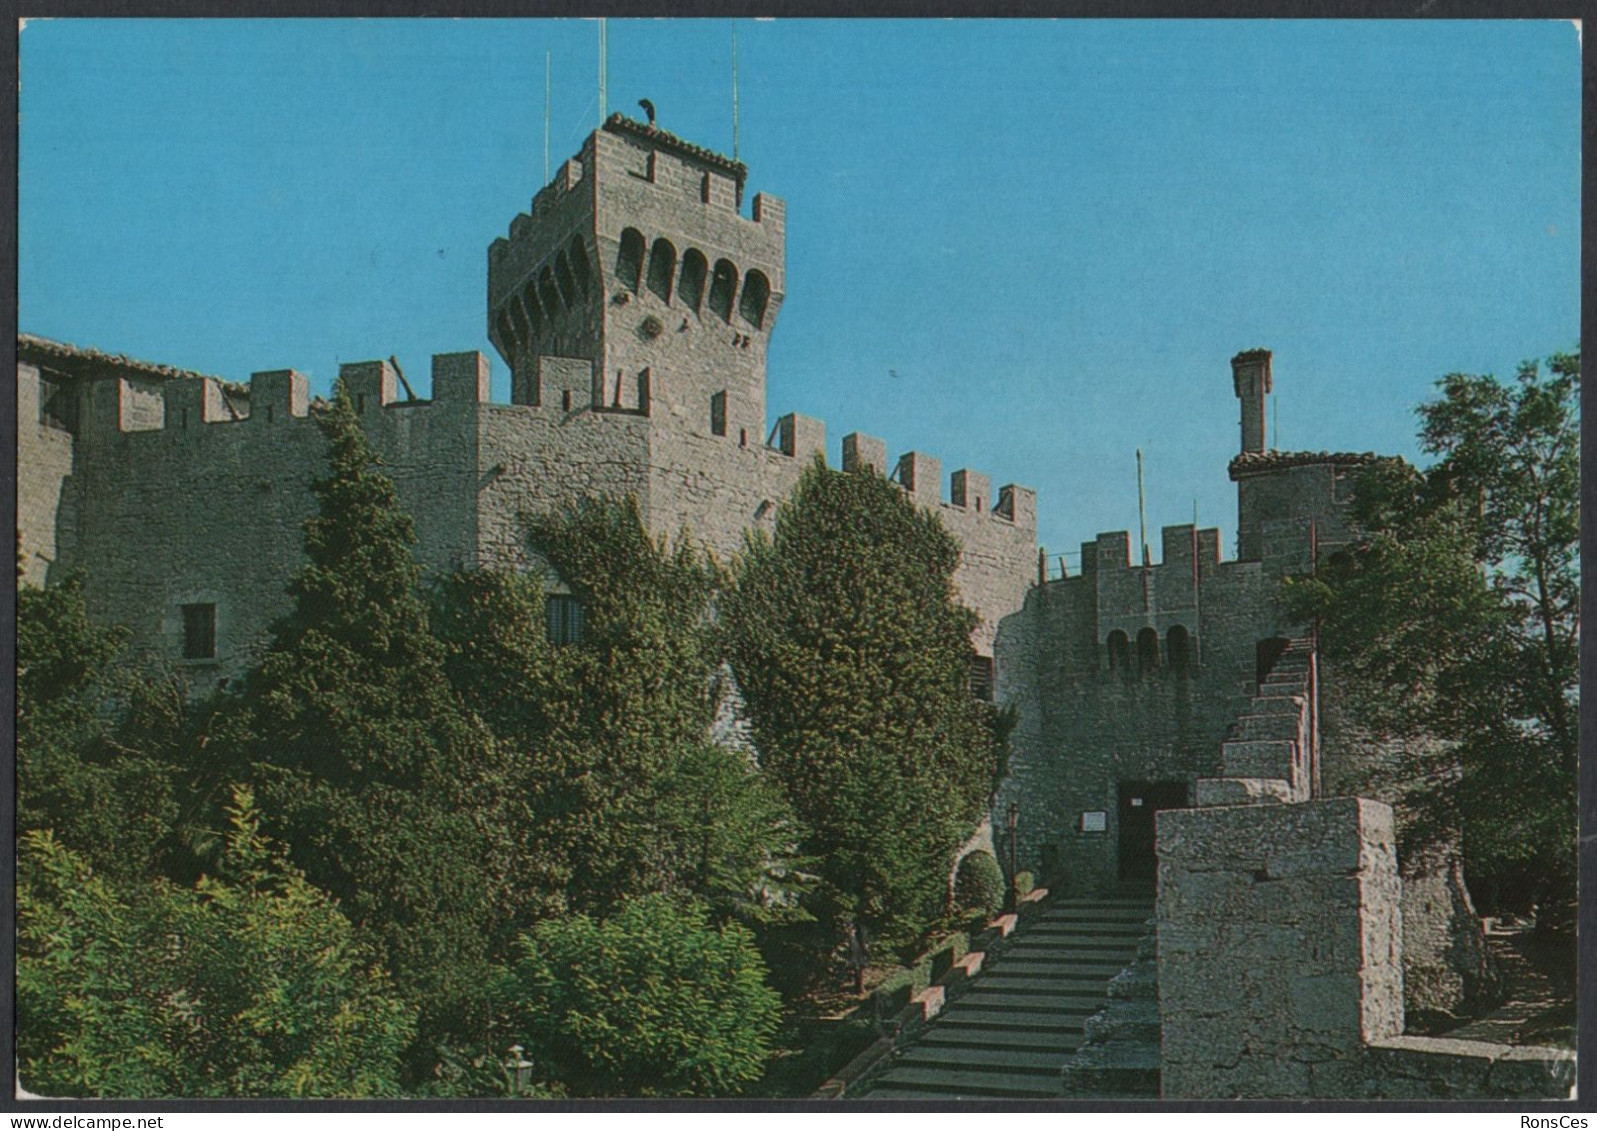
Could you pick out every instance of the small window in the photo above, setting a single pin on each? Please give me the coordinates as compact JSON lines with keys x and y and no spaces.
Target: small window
{"x":629,"y":260}
{"x":564,"y":619}
{"x":199,"y":632}
{"x":1148,"y":650}
{"x":723,"y":286}
{"x":691,"y":286}
{"x":662,"y":268}
{"x":981,"y":678}
{"x":1119,"y":651}
{"x":718,"y":414}
{"x":756,"y":296}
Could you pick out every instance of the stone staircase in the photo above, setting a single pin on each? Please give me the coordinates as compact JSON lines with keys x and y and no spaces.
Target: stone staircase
{"x":1011,"y":1031}
{"x":1268,"y":755}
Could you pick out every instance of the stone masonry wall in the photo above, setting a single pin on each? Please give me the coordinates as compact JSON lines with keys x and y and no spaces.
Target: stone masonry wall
{"x":1280,"y":948}
{"x":44,"y":460}
{"x":1083,"y":727}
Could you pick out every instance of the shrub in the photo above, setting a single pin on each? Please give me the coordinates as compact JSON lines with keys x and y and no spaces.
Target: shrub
{"x":251,"y":983}
{"x":978,"y":883}
{"x":1025,"y":883}
{"x":653,"y":1001}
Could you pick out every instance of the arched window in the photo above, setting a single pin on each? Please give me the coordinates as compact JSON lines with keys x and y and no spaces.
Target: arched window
{"x":547,"y":292}
{"x":568,"y":285}
{"x":723,"y":285}
{"x":1178,"y":648}
{"x":1119,"y":651}
{"x":579,"y":264}
{"x":756,"y":295}
{"x":534,"y":309}
{"x":1148,"y":650}
{"x":662,"y":268}
{"x":629,"y":261}
{"x":694,"y":268}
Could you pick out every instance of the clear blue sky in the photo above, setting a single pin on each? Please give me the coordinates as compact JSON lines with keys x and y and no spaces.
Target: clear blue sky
{"x":1055,"y":234}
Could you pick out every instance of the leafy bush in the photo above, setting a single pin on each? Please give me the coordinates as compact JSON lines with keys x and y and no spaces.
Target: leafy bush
{"x":1025,"y":883}
{"x":249,"y":984}
{"x":979,"y":883}
{"x":654,"y":1001}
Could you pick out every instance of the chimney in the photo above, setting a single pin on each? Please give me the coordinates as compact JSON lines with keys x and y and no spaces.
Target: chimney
{"x":1250,"y":377}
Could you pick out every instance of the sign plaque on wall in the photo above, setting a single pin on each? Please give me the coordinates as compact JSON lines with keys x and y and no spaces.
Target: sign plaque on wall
{"x":1094,"y":822}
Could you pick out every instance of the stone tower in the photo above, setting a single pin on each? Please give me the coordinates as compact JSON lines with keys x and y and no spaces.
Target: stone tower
{"x":637,"y":259}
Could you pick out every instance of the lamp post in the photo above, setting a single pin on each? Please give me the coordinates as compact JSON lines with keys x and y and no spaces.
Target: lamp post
{"x":1013,"y":821}
{"x":518,"y":1071}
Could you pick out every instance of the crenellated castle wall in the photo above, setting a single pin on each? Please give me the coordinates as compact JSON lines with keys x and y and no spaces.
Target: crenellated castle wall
{"x":1095,"y":711}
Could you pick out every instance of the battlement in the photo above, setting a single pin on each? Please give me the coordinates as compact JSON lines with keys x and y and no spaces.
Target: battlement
{"x":1182,"y":546}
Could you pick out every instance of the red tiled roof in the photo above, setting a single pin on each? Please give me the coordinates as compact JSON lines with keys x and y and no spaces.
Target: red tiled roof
{"x":1250,"y":463}
{"x":81,"y":362}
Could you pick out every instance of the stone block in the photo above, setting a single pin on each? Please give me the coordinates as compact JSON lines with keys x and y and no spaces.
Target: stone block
{"x":921,"y":475}
{"x":1279,"y":946}
{"x":802,"y":437}
{"x":970,"y":490}
{"x":1241,"y":791}
{"x":278,"y":394}
{"x":460,"y":377}
{"x":371,"y":384}
{"x":931,"y":1001}
{"x":862,"y":453}
{"x":191,"y":403}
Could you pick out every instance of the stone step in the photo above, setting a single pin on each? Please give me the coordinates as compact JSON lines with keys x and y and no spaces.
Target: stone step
{"x":946,"y":1084}
{"x":1002,"y":1037}
{"x":964,"y":1017}
{"x":1041,"y":966}
{"x":1040,"y":984}
{"x":1056,"y":934}
{"x":1017,"y":1061}
{"x":1130,"y":911}
{"x":1075,"y":949}
{"x":1088,"y":989}
{"x":1000,"y":1001}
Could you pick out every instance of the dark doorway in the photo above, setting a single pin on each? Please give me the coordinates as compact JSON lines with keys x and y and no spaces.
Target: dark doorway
{"x":1139,"y":801}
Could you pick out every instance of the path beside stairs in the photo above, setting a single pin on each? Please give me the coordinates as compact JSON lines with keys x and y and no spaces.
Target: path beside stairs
{"x":1010,"y":1032}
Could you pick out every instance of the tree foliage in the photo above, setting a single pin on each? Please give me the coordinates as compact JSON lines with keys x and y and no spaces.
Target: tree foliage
{"x":1456,"y":626}
{"x":653,"y":1001}
{"x":81,"y":770}
{"x":389,"y":792}
{"x":251,"y":983}
{"x":855,"y":661}
{"x":620,"y":791}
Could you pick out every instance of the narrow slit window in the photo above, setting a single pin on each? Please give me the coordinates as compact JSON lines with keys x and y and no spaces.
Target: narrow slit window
{"x":718,"y":414}
{"x":199,"y":632}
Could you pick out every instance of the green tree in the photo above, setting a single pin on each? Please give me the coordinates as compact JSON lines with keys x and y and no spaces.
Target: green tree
{"x":251,"y":983}
{"x":855,"y":660}
{"x":1455,"y":627}
{"x":389,"y":792}
{"x":82,"y":770}
{"x":653,"y":1001}
{"x":620,"y":791}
